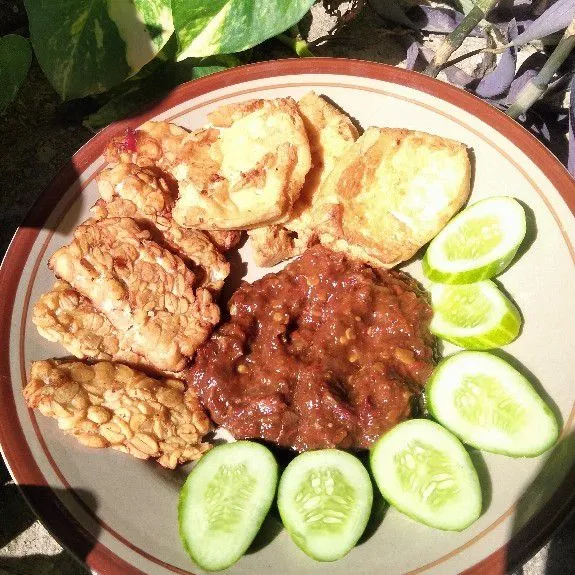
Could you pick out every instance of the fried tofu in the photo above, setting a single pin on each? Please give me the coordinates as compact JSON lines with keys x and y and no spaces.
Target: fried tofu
{"x":145,"y":291}
{"x":274,"y":244}
{"x":65,"y":316}
{"x":330,"y":133}
{"x":244,"y":171}
{"x":111,"y":405}
{"x":144,"y":195}
{"x":394,"y":190}
{"x":153,"y":144}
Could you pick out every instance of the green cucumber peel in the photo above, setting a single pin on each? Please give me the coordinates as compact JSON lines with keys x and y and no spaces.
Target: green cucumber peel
{"x":325,"y":499}
{"x":489,"y":405}
{"x":425,"y":472}
{"x":224,"y":502}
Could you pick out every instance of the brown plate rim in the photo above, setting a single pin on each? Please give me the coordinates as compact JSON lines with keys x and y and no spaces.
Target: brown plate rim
{"x":17,"y":453}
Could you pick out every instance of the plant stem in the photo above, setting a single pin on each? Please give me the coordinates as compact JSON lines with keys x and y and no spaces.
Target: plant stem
{"x":292,"y":38}
{"x":297,"y":44}
{"x":456,"y":38}
{"x":538,"y":85}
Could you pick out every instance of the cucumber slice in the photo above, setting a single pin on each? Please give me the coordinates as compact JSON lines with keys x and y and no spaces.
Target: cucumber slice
{"x":478,"y":243}
{"x":490,"y":405}
{"x":224,"y":502}
{"x":324,"y":499}
{"x":474,"y":316}
{"x":424,"y":471}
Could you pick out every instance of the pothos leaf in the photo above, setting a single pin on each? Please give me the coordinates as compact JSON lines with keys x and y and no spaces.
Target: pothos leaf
{"x":134,"y":96}
{"x":87,"y":47}
{"x":15,"y":59}
{"x":226,"y":26}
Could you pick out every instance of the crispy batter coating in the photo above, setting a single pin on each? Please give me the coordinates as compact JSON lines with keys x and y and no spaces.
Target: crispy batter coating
{"x":274,"y":244}
{"x":145,"y":291}
{"x":112,"y":405}
{"x":65,"y":316}
{"x":247,"y":174}
{"x":143,"y":194}
{"x":224,"y":240}
{"x":330,"y":133}
{"x":395,"y":190}
{"x":153,"y":144}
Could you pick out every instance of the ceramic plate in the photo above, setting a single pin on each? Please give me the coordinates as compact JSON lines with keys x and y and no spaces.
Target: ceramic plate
{"x":119,"y":513}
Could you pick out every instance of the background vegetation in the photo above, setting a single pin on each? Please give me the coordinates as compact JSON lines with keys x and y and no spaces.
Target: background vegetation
{"x":108,"y":59}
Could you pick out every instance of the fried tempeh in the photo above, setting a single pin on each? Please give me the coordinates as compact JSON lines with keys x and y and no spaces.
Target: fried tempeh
{"x":144,"y":195}
{"x":145,"y":291}
{"x":246,"y":170}
{"x":152,"y":144}
{"x":111,"y":405}
{"x":65,"y":316}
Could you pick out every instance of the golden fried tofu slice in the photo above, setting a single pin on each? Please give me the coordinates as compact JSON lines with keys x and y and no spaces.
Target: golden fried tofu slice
{"x":145,"y":291}
{"x":153,"y":144}
{"x":111,"y":405}
{"x":274,"y":244}
{"x":64,"y":316}
{"x":144,"y":195}
{"x":330,"y":133}
{"x":395,"y":189}
{"x":244,"y":171}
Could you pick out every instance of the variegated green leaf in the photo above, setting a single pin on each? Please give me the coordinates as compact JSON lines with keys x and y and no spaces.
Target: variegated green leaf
{"x":134,"y":96}
{"x":87,"y":46}
{"x":15,"y":58}
{"x":224,"y":26}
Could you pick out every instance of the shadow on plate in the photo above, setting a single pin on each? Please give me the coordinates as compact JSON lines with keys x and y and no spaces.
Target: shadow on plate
{"x":379,"y":506}
{"x":17,"y":517}
{"x":545,"y":510}
{"x":484,"y":477}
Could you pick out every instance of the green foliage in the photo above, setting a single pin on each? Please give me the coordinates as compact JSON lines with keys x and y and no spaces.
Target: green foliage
{"x":86,"y":47}
{"x":226,"y":26}
{"x":15,"y":59}
{"x":125,"y":55}
{"x":134,"y":96}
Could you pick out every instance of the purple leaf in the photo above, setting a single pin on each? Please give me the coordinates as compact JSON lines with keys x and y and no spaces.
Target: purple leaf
{"x":391,"y":10}
{"x":557,"y":17}
{"x":499,"y":81}
{"x":571,"y":160}
{"x":518,"y":84}
{"x":412,"y":55}
{"x":435,"y":19}
{"x":527,"y":71}
{"x":418,"y":56}
{"x":458,"y":77}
